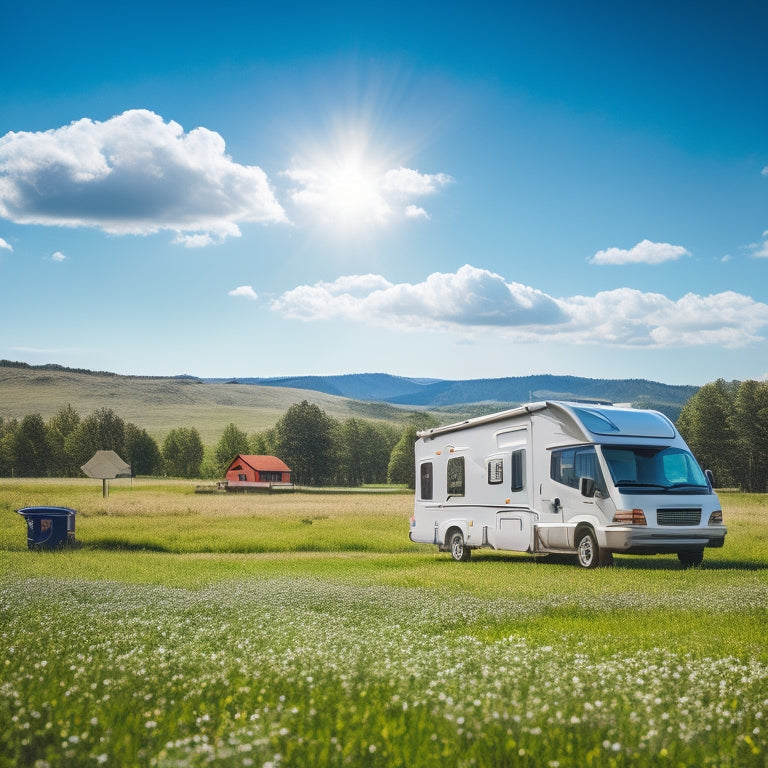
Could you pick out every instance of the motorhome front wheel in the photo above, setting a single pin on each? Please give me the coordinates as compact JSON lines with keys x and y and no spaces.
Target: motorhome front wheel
{"x":589,"y":553}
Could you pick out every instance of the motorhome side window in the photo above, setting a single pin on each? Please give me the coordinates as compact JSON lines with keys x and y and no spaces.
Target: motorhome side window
{"x":569,"y":464}
{"x":518,"y":471}
{"x":426,"y":480}
{"x":455,"y":476}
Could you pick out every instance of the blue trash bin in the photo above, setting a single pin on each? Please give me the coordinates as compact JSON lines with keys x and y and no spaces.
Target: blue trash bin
{"x":49,"y":527}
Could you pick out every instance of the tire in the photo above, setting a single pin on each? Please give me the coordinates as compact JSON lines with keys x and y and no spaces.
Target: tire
{"x":691,"y":558}
{"x":459,"y":550}
{"x":588,"y":553}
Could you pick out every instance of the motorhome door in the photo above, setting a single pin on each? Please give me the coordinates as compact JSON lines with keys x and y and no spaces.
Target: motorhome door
{"x":561,"y":490}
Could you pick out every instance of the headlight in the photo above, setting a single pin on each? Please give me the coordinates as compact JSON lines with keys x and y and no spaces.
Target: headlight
{"x":630,"y":517}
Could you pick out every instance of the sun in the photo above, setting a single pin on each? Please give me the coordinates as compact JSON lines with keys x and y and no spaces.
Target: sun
{"x":342,"y":186}
{"x":353,"y":191}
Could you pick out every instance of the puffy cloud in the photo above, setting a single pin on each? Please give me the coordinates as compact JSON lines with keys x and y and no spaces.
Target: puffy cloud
{"x":3,"y":244}
{"x":628,"y":317}
{"x":58,"y":256}
{"x":246,"y":291}
{"x":347,"y":192}
{"x":645,"y":252}
{"x":472,"y":298}
{"x":132,"y":174}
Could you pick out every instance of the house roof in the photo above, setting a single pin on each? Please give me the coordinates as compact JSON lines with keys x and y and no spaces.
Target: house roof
{"x":262,"y":463}
{"x":106,"y":465}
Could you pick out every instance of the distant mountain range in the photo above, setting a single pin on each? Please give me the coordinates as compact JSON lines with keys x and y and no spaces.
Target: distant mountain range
{"x":441,"y":393}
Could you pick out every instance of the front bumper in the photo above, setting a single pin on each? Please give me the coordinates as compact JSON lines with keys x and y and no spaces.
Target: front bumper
{"x":643,"y":539}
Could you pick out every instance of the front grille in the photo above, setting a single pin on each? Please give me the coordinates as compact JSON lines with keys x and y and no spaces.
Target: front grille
{"x":678,"y":516}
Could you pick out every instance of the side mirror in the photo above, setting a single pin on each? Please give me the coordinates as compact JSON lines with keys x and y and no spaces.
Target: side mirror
{"x":587,"y":486}
{"x":710,"y":477}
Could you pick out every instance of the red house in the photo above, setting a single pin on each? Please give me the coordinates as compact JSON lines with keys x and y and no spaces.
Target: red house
{"x":248,"y":471}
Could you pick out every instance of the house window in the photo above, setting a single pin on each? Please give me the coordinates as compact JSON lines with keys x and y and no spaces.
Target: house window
{"x":518,"y":470}
{"x":495,"y":471}
{"x":242,"y":478}
{"x":271,"y":477}
{"x":426,"y":480}
{"x":455,"y":476}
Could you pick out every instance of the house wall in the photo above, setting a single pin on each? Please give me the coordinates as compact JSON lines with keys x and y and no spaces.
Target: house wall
{"x":243,"y":472}
{"x":234,"y":475}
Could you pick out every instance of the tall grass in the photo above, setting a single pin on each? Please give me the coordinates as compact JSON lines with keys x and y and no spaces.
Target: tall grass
{"x":196,"y":652}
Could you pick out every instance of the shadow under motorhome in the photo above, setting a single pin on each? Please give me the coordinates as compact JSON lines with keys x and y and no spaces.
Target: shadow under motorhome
{"x":561,"y":477}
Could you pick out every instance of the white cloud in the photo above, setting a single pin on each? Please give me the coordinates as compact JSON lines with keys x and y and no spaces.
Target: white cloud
{"x":58,"y":256}
{"x":406,"y":182}
{"x":246,"y":291}
{"x":760,"y":250}
{"x":645,"y":252}
{"x":132,"y":174}
{"x":415,"y":212}
{"x":349,"y":192}
{"x":7,"y":246}
{"x":472,"y":299}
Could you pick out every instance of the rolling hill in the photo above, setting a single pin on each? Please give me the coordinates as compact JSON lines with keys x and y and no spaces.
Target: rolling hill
{"x":159,"y":404}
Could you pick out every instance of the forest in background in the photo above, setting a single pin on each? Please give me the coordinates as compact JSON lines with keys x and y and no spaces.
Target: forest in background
{"x":329,"y":440}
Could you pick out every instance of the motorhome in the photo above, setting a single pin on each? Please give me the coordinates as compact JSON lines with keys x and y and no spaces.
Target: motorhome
{"x":558,"y":477}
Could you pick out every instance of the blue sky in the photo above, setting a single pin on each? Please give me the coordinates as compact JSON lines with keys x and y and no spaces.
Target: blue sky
{"x":451,"y":190}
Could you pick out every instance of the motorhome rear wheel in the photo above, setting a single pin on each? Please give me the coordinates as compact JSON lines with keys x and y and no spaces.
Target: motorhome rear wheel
{"x":459,"y":550}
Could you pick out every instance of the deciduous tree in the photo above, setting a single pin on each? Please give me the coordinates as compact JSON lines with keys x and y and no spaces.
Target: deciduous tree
{"x":59,"y":428}
{"x":304,"y":441}
{"x":750,"y":427}
{"x":705,"y":423}
{"x":31,"y":455}
{"x":141,"y":451}
{"x":103,"y":430}
{"x":232,"y":442}
{"x":402,"y":460}
{"x":183,"y":452}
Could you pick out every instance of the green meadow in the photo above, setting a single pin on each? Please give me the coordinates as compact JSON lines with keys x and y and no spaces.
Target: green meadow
{"x":305,"y":629}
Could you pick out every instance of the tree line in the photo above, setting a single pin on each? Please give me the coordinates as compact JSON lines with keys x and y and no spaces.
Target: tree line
{"x":724,"y":423}
{"x":726,"y":427}
{"x":319,"y":449}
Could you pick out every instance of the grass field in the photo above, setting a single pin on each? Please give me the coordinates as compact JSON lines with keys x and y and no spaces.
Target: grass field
{"x":306,"y":630}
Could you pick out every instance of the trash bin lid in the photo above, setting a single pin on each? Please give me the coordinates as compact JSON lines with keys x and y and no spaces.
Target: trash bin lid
{"x":46,"y":512}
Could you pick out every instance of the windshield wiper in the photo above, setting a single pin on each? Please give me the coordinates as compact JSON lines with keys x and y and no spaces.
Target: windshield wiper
{"x":640,"y":484}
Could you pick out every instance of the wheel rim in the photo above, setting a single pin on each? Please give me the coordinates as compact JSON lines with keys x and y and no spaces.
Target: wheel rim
{"x":586,"y":551}
{"x":457,"y":546}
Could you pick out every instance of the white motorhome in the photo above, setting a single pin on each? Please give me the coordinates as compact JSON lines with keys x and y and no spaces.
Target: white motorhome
{"x":562,"y":477}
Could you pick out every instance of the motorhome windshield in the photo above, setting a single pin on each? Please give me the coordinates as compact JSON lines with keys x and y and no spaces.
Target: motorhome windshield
{"x":647,"y":469}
